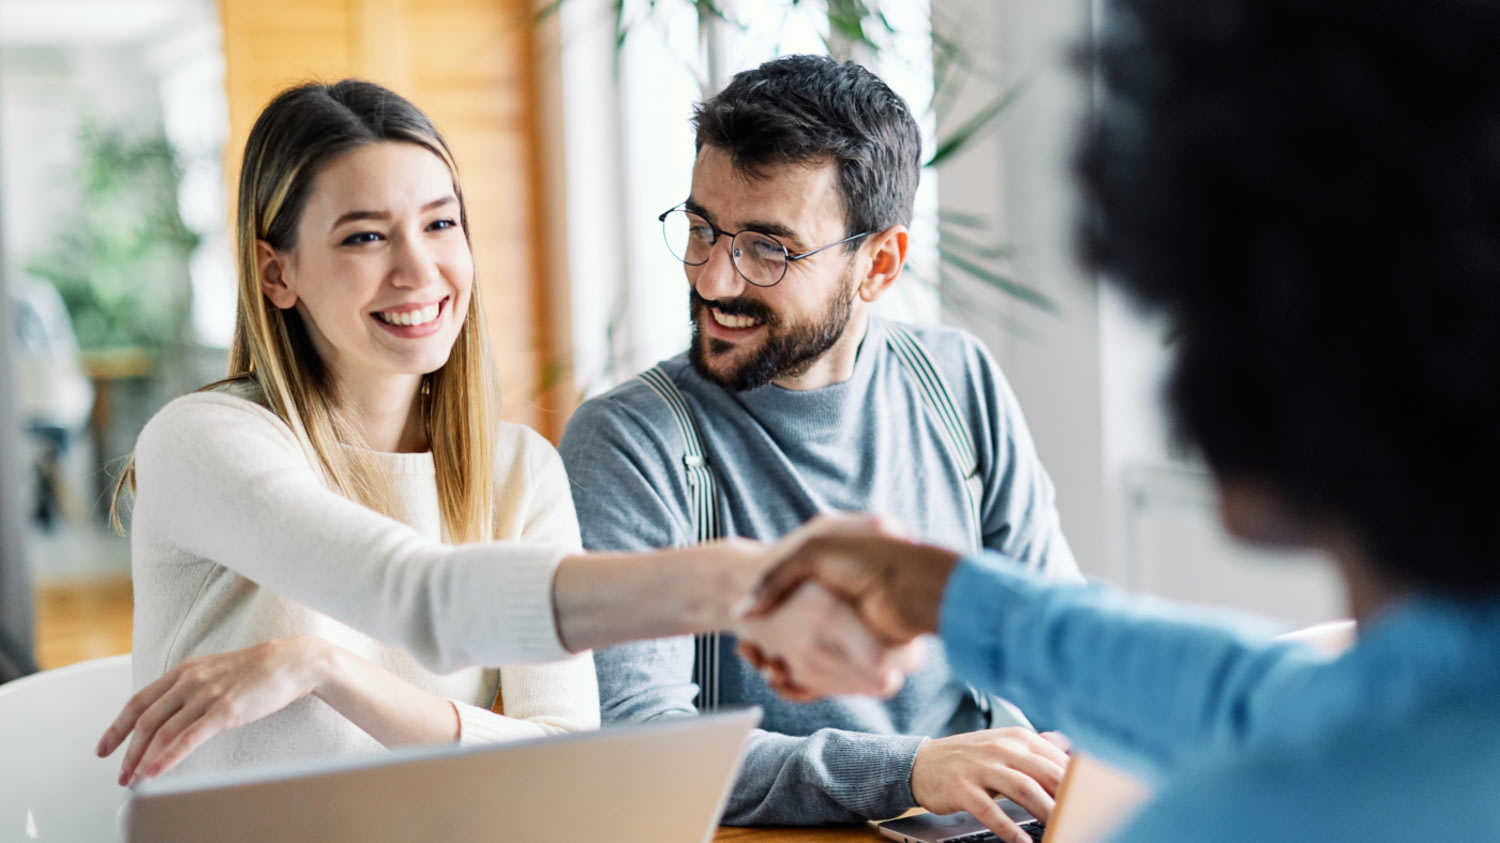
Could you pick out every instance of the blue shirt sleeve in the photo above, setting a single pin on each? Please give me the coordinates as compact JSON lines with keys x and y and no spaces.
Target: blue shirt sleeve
{"x":1245,"y":737}
{"x":1134,"y":680}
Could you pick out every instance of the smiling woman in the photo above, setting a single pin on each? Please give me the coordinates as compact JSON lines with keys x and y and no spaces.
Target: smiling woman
{"x":358,"y":375}
{"x":381,"y":276}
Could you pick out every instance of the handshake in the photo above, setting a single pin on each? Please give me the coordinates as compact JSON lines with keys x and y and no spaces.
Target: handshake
{"x":840,"y":607}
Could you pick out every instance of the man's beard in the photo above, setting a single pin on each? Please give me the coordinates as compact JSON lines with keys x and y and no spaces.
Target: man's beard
{"x":783,"y":353}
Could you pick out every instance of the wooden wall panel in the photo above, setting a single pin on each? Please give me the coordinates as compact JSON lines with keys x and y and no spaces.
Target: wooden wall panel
{"x":467,"y":63}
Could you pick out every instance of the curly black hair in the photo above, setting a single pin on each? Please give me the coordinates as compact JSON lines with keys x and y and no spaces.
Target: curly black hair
{"x":804,"y":109}
{"x":1310,"y":191}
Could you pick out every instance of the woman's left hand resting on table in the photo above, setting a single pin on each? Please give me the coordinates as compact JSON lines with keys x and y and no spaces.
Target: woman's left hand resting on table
{"x":204,"y":696}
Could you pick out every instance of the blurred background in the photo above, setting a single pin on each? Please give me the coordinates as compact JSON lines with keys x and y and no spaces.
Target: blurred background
{"x":121,"y":123}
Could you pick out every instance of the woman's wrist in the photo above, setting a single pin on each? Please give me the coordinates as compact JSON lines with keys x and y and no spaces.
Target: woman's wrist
{"x":739,"y":565}
{"x":323,"y":666}
{"x":607,"y":598}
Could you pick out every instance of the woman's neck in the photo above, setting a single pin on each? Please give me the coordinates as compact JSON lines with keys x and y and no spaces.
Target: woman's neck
{"x":388,"y":415}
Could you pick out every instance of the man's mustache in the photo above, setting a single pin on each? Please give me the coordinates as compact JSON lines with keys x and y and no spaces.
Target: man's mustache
{"x":734,"y":307}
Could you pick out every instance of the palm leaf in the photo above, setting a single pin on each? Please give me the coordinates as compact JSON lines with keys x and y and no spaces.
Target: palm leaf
{"x":984,"y":120}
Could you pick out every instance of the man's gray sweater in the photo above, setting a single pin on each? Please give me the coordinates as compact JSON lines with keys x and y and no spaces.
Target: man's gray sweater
{"x":780,"y":457}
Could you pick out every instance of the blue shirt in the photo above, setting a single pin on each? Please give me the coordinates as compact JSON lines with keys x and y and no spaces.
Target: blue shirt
{"x":1245,"y":738}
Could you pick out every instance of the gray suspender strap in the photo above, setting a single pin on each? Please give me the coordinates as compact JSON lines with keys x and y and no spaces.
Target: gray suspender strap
{"x":701,"y":487}
{"x":939,"y":400}
{"x":700,"y":477}
{"x":705,"y":504}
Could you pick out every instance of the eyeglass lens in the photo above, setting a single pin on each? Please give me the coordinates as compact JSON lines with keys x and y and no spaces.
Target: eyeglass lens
{"x":759,"y":258}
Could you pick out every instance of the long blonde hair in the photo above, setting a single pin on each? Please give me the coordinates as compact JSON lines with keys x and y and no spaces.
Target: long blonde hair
{"x":302,"y":131}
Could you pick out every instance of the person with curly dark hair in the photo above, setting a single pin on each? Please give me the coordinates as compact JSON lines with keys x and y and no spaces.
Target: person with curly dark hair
{"x":1310,"y":191}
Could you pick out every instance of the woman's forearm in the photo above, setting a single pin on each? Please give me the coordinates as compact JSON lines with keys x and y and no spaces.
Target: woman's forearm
{"x":610,"y":598}
{"x":388,"y":708}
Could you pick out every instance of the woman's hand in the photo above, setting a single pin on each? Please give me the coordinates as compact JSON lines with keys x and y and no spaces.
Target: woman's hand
{"x":202,"y":697}
{"x":814,"y":645}
{"x":841,"y":608}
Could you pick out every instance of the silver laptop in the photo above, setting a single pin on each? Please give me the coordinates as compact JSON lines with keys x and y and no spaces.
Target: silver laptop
{"x":960,"y":827}
{"x":662,"y":782}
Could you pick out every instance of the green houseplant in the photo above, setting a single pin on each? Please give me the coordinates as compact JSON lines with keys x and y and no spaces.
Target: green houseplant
{"x":120,"y":262}
{"x":972,"y":258}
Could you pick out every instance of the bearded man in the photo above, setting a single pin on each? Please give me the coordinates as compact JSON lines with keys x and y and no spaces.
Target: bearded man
{"x":795,"y":400}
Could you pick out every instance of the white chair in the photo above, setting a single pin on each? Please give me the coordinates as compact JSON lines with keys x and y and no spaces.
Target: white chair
{"x":52,"y":786}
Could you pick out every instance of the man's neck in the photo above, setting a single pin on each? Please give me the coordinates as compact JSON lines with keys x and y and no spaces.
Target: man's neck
{"x":1368,"y":591}
{"x":835,"y":365}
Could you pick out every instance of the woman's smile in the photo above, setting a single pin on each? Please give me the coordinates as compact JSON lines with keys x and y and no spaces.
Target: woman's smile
{"x":414,"y":320}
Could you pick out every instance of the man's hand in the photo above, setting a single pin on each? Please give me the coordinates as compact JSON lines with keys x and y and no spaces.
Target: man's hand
{"x":814,"y":645}
{"x":856,"y":631}
{"x":967,"y":772}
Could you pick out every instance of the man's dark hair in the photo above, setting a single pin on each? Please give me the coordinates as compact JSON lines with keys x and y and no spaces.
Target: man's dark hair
{"x":807,"y":109}
{"x":1310,"y":191}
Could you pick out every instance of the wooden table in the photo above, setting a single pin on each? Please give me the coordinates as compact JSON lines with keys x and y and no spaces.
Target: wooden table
{"x":833,"y":834}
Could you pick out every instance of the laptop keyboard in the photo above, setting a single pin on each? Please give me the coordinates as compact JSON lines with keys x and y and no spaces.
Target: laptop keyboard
{"x":1033,"y":828}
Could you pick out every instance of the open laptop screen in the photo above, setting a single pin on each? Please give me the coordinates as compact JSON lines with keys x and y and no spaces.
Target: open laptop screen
{"x":660,"y":781}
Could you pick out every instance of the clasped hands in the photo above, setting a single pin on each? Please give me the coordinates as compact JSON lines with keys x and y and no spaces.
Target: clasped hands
{"x":840,"y":611}
{"x":841,"y":607}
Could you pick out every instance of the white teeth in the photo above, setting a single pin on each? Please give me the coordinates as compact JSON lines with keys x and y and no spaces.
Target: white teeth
{"x":733,"y":321}
{"x":410,"y":318}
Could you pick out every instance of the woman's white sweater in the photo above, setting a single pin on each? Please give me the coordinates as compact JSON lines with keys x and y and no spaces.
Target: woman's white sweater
{"x":236,"y":540}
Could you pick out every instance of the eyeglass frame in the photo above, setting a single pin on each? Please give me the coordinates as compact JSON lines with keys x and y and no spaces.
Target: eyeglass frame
{"x":719,"y":232}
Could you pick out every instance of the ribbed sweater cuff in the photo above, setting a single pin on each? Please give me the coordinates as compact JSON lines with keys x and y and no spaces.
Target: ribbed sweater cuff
{"x":478,"y":726}
{"x":520,"y":624}
{"x":878,"y":785}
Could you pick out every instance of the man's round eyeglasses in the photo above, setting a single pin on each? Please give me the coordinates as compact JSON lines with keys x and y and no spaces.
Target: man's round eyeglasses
{"x":759,"y":258}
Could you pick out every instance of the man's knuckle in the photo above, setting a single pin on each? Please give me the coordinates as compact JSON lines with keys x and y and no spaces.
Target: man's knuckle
{"x":1028,"y":788}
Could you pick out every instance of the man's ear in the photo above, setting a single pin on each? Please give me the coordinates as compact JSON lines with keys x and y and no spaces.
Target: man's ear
{"x":272,"y":278}
{"x":887,"y":257}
